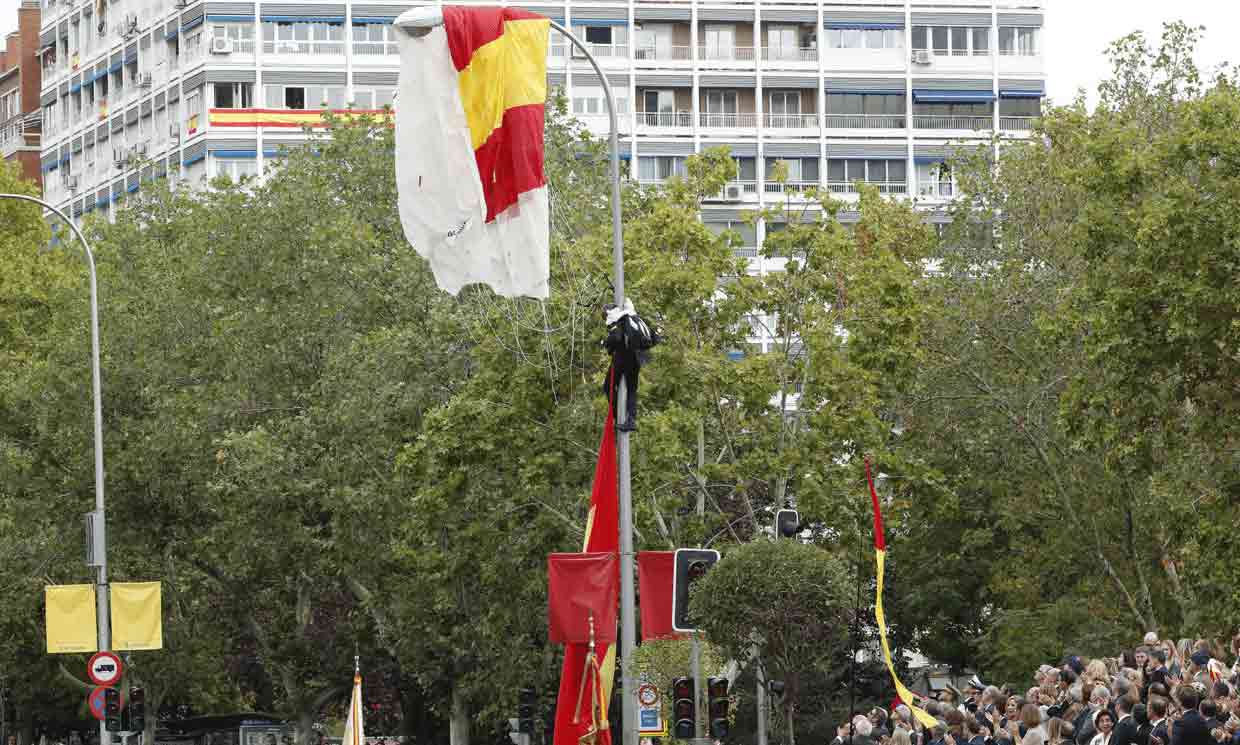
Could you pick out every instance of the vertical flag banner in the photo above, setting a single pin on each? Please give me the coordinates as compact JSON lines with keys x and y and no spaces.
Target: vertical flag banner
{"x":581,"y":708}
{"x":354,"y":733}
{"x":656,"y":571}
{"x":137,"y":616}
{"x":71,"y":619}
{"x":880,"y":554}
{"x":469,"y":149}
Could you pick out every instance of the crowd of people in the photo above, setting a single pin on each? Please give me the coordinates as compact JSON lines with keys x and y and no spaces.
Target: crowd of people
{"x":1160,"y":693}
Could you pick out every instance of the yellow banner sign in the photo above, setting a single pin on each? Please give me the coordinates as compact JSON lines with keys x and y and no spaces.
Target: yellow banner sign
{"x":137,"y":616}
{"x":70,"y":615}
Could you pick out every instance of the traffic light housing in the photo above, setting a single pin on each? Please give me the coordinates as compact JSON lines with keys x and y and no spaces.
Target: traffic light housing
{"x":717,"y":696}
{"x":137,"y":710}
{"x":691,"y":565}
{"x":787,"y":523}
{"x":112,"y":710}
{"x":684,"y":708}
{"x":525,"y":711}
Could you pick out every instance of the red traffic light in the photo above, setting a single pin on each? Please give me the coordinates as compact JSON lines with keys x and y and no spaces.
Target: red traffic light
{"x":682,"y":688}
{"x":718,"y":687}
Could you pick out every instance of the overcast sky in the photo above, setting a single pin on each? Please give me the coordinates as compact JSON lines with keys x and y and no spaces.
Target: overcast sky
{"x":1077,"y":32}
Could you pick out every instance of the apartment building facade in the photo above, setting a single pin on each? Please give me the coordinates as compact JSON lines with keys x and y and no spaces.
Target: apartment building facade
{"x":20,"y":118}
{"x":879,"y":91}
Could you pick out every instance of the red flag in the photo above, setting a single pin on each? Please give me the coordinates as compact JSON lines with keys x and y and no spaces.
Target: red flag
{"x":655,"y":571}
{"x":581,"y":587}
{"x":574,"y":712}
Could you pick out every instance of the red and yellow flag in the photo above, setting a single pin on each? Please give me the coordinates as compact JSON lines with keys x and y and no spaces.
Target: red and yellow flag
{"x":469,"y":149}
{"x":581,"y":709}
{"x":880,"y":555}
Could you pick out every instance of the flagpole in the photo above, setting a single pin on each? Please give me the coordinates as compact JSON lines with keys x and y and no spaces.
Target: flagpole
{"x":429,"y":17}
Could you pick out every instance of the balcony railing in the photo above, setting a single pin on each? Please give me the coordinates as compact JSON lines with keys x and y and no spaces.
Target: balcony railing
{"x":790,"y":187}
{"x":677,"y":52}
{"x":938,"y":189}
{"x":743,"y":54}
{"x":865,"y":121}
{"x":665,"y":119}
{"x":1018,"y":123}
{"x":790,"y":54}
{"x":243,"y":46}
{"x":792,"y":121}
{"x":608,"y":50}
{"x":884,"y":187}
{"x":375,"y":47}
{"x":730,"y":121}
{"x":303,"y":47}
{"x":937,"y":121}
{"x":745,"y":187}
{"x":1018,"y":53}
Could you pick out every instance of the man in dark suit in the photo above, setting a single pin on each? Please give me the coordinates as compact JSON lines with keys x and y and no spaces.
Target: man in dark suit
{"x":1126,"y":728}
{"x":1192,"y":728}
{"x":1158,"y":721}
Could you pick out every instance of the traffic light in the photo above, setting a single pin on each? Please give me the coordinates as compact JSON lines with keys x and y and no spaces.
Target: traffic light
{"x":112,"y":710}
{"x":717,"y":695}
{"x":525,"y":711}
{"x":691,"y":565}
{"x":684,"y":708}
{"x":787,"y":523}
{"x":137,"y":710}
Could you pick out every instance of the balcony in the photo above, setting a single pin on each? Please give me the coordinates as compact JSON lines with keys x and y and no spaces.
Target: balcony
{"x":604,"y":51}
{"x":729,"y":121}
{"x":674,"y":53}
{"x":725,"y":54}
{"x":1016,"y":123}
{"x":303,"y":47}
{"x":865,"y":121}
{"x":966,"y":123}
{"x":789,"y":54}
{"x":884,"y":187}
{"x":936,"y":190}
{"x":792,"y":121}
{"x":744,"y":189}
{"x":789,"y":187}
{"x":666,"y":119}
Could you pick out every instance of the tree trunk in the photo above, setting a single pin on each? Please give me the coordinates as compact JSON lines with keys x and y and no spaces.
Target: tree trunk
{"x":458,"y":727}
{"x":792,"y":738}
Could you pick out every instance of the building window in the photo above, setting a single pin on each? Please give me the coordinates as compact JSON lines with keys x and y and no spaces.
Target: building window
{"x":303,"y":37}
{"x":235,"y":169}
{"x":870,"y":38}
{"x":743,"y":244}
{"x":240,"y":34}
{"x":593,"y":103}
{"x":889,"y":175}
{"x":934,"y":180}
{"x":956,"y":41}
{"x":233,"y":95}
{"x":720,"y":42}
{"x":1018,"y":41}
{"x":9,"y":106}
{"x":598,"y":34}
{"x":370,"y":99}
{"x":801,"y":171}
{"x":193,"y":105}
{"x":865,"y":110}
{"x":659,"y":168}
{"x":306,"y":96}
{"x":374,"y":38}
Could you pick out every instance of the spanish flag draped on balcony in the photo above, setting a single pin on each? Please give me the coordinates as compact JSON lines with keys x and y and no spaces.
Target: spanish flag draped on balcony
{"x":469,"y":149}
{"x":880,"y":555}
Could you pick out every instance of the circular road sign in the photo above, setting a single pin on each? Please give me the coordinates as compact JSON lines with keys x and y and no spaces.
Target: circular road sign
{"x":648,"y":695}
{"x":104,"y":669}
{"x":97,"y":704}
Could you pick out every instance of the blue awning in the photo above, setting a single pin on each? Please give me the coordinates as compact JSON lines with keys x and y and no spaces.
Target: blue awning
{"x":230,"y":19}
{"x":926,"y":96}
{"x":372,"y":21}
{"x":194,"y":159}
{"x":75,"y":88}
{"x":600,"y":22}
{"x":115,"y":66}
{"x":172,"y":34}
{"x":304,"y":19}
{"x":923,"y":159}
{"x":235,"y":153}
{"x":192,"y":24}
{"x":132,"y":188}
{"x":1020,"y":93}
{"x":865,"y":26}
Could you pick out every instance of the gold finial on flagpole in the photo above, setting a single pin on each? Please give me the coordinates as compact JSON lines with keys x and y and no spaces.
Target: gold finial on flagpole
{"x":357,"y":665}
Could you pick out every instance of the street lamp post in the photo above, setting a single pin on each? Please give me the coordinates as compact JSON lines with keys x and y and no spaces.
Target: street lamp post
{"x":426,"y":18}
{"x":101,"y":560}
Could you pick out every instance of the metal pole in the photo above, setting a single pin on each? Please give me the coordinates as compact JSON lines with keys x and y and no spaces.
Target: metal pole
{"x":628,"y":598}
{"x":695,"y":669}
{"x":760,"y":699}
{"x":101,"y":579}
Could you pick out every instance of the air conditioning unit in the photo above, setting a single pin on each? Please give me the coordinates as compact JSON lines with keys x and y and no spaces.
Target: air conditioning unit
{"x":144,"y":80}
{"x":140,"y":148}
{"x":71,"y":183}
{"x":733,"y":192}
{"x":221,"y":45}
{"x":922,"y":57}
{"x":120,"y":157}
